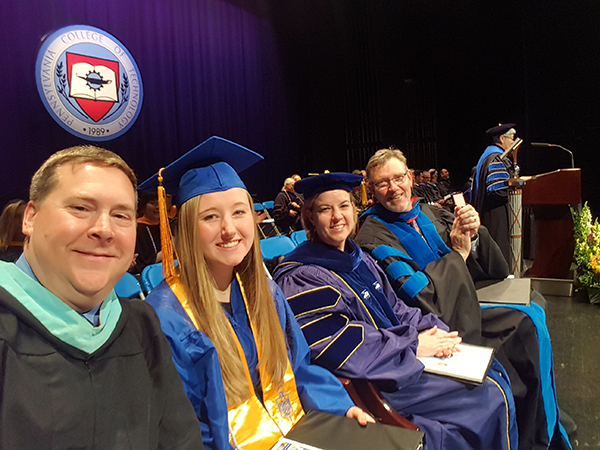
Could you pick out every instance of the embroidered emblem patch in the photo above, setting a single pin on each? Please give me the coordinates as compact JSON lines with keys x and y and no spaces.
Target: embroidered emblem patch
{"x":89,"y":82}
{"x":284,"y":404}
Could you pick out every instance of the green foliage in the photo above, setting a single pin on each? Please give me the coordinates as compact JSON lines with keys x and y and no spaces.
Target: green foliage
{"x":587,"y":248}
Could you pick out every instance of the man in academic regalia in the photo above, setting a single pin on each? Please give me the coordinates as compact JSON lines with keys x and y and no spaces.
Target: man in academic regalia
{"x":490,"y":191}
{"x":82,"y":368}
{"x":432,"y":258}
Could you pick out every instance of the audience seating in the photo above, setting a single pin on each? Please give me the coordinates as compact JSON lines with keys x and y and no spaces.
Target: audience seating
{"x":269,"y":205}
{"x":367,"y":396}
{"x":276,"y":246}
{"x":128,"y":287}
{"x":152,"y":275}
{"x":267,"y":227}
{"x":298,"y":237}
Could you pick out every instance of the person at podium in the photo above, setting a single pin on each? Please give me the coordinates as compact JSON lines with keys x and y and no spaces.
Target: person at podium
{"x":490,"y":190}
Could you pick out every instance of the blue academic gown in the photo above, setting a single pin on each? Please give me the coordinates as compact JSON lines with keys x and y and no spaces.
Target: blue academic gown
{"x":358,"y":328}
{"x":197,"y":362}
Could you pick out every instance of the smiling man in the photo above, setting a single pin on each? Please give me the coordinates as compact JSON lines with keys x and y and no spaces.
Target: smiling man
{"x":80,"y":367}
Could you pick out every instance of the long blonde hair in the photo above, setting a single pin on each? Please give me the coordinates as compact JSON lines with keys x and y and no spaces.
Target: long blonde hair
{"x":211,"y":319}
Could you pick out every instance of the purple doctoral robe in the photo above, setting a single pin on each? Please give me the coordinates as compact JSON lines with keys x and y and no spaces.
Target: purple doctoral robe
{"x":357,"y":327}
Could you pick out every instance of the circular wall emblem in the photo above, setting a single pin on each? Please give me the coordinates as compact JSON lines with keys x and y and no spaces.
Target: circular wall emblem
{"x":89,"y":82}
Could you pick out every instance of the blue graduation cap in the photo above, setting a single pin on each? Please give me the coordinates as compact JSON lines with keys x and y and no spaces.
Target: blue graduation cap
{"x":313,"y":186}
{"x":212,"y":166}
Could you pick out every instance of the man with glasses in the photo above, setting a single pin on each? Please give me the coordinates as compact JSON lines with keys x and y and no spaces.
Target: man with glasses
{"x":489,"y":191}
{"x":432,"y":257}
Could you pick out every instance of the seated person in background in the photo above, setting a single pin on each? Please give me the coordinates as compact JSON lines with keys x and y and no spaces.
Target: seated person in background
{"x":11,"y":234}
{"x":81,"y":368}
{"x":242,"y":357}
{"x":357,"y":327}
{"x":432,"y":192}
{"x":147,"y":243}
{"x":286,"y":208}
{"x":432,"y":258}
{"x":444,"y":184}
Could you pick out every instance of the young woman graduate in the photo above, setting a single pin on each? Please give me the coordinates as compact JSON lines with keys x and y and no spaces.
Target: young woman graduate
{"x":244,"y":362}
{"x":357,"y":327}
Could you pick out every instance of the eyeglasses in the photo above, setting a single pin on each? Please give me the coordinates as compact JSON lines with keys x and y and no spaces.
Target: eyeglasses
{"x":510,"y":136}
{"x":384,"y":185}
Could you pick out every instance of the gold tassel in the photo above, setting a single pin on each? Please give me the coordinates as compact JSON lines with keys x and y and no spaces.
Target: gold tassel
{"x":166,"y":238}
{"x":363,"y":193}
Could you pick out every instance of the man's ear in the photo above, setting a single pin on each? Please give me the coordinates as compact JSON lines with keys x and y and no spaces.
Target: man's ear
{"x":29,"y":218}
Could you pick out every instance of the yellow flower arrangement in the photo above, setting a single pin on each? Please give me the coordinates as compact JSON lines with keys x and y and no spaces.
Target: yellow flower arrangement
{"x":587,"y":249}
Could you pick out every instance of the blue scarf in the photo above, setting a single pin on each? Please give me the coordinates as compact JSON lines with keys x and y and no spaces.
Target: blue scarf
{"x":421,"y":251}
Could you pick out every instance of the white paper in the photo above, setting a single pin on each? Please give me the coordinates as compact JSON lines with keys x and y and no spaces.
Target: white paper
{"x":470,"y":364}
{"x":288,"y":444}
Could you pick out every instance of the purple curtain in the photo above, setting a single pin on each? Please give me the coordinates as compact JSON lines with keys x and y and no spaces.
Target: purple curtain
{"x":208,"y":67}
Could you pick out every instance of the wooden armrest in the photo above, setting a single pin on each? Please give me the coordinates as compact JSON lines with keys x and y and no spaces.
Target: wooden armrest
{"x":368,"y":397}
{"x":349,"y":386}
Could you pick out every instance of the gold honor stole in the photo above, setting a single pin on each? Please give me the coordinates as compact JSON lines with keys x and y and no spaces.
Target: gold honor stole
{"x":254,"y":425}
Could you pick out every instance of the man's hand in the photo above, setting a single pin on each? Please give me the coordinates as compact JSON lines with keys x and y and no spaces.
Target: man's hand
{"x":293,"y":213}
{"x":437,"y":342}
{"x":466,"y":225}
{"x":468,"y":220}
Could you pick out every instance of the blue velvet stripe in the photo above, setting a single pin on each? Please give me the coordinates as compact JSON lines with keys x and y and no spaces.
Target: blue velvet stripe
{"x":324,"y":328}
{"x":496,"y":176}
{"x":316,"y":299}
{"x":433,"y":238}
{"x":496,"y":186}
{"x":385,"y":251}
{"x":414,"y":284}
{"x":476,"y":199}
{"x":399,"y":269}
{"x":338,"y":351}
{"x":496,"y":166}
{"x":538,"y":317}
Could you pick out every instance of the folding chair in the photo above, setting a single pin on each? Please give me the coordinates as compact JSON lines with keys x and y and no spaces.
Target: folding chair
{"x":152,"y":275}
{"x":269,"y":205}
{"x":128,"y":287}
{"x":298,"y":237}
{"x":276,"y":246}
{"x":267,"y":227}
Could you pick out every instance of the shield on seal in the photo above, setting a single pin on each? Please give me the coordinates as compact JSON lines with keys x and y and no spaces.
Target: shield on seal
{"x":94,"y":84}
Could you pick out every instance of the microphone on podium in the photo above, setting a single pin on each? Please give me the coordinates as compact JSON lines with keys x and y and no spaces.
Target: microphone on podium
{"x":544,"y":144}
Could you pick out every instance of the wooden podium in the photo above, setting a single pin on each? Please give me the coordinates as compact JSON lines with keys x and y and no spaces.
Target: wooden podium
{"x":550,"y":194}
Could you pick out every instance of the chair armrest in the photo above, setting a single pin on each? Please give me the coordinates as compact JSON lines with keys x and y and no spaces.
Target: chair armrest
{"x":368,"y":397}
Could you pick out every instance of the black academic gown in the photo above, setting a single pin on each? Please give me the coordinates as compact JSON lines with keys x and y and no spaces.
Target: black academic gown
{"x":490,"y":196}
{"x":425,"y":273}
{"x":125,"y":395}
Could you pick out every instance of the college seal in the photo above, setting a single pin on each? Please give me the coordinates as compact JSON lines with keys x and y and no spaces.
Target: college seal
{"x":89,"y":82}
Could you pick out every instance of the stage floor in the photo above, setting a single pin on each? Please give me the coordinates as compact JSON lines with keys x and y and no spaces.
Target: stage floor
{"x":575,"y":332}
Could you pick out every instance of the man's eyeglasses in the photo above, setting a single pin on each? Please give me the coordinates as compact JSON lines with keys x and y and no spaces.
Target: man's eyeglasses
{"x":384,"y":185}
{"x":510,"y":136}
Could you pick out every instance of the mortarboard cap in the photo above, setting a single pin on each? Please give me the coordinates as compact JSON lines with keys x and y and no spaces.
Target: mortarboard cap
{"x":212,"y":166}
{"x":500,"y":129}
{"x":316,"y":185}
